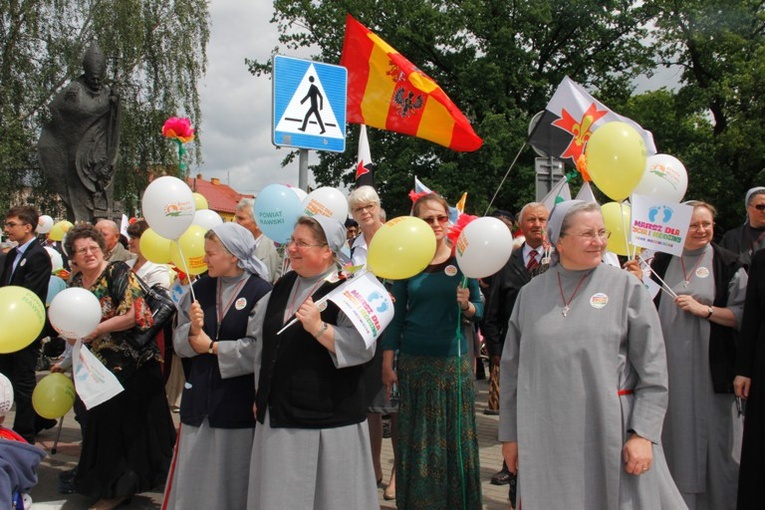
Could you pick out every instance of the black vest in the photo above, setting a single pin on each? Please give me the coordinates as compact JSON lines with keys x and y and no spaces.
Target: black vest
{"x":299,"y":384}
{"x":722,"y":339}
{"x":227,"y":403}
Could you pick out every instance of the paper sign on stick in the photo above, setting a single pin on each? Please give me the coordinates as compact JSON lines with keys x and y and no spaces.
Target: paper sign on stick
{"x":659,"y":225}
{"x":367,"y":303}
{"x":94,"y":383}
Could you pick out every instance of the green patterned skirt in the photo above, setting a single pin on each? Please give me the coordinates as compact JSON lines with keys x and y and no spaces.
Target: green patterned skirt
{"x":434,"y":428}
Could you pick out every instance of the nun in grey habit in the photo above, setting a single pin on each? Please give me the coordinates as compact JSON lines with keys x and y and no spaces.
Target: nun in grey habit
{"x":311,"y":447}
{"x":584,"y":381}
{"x":210,"y":468}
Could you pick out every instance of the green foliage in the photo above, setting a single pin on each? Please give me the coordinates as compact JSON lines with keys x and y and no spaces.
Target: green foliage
{"x":156,"y":51}
{"x":498,"y":61}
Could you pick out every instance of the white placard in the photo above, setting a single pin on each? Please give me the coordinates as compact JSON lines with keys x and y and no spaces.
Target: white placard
{"x":659,"y":225}
{"x":367,"y":303}
{"x":94,"y":383}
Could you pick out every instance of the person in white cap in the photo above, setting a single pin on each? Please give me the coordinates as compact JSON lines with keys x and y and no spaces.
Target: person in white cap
{"x":749,"y":237}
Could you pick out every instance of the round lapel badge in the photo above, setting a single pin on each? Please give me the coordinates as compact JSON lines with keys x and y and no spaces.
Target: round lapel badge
{"x":240,"y":303}
{"x":702,"y":272}
{"x":598,"y":300}
{"x":450,"y":270}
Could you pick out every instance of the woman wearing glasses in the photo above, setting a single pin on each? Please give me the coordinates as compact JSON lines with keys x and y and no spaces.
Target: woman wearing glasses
{"x":311,"y":445}
{"x":212,"y":458}
{"x":703,"y":428}
{"x":584,"y":385}
{"x":437,"y":454}
{"x":127,"y":442}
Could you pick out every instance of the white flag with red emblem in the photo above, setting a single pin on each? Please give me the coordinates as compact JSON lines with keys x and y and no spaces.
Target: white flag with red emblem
{"x":570,"y":118}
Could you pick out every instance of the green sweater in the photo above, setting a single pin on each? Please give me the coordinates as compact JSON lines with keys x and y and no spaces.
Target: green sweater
{"x":427,"y":312}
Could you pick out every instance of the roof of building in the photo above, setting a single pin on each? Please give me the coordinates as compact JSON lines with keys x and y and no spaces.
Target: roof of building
{"x":220,"y":197}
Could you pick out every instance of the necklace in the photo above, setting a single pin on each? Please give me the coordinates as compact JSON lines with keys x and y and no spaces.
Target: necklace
{"x":686,"y":277}
{"x":222,"y":312}
{"x":290,"y":311}
{"x":566,"y":304}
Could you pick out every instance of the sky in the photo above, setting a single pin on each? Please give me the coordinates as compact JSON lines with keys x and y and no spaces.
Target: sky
{"x":236,"y":106}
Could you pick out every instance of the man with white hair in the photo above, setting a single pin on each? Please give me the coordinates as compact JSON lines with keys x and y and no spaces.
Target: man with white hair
{"x":264,"y":247}
{"x":114,"y":249}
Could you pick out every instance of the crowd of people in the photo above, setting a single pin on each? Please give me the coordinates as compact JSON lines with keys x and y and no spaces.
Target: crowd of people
{"x":608,"y":397}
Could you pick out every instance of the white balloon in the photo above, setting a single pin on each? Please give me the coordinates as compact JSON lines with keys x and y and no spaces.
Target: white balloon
{"x":299,"y":192}
{"x":483,"y":247}
{"x":56,"y":260}
{"x":328,"y":202}
{"x":168,"y":206}
{"x":207,"y":218}
{"x":75,"y":312}
{"x":44,"y":224}
{"x":664,"y":177}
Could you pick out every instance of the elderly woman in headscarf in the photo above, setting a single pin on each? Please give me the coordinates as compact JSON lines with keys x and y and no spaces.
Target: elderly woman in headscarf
{"x":584,"y":351}
{"x":211,"y":464}
{"x":311,"y":447}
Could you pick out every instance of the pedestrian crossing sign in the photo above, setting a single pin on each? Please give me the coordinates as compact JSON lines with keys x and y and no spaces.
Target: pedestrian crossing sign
{"x":309,"y":104}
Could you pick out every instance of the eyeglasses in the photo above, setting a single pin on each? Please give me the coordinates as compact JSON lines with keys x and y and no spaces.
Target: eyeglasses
{"x":88,"y":249}
{"x":700,"y":226}
{"x":759,"y":207}
{"x":362,"y":208}
{"x":302,"y":244}
{"x":432,"y":220}
{"x":590,"y":235}
{"x":13,"y":224}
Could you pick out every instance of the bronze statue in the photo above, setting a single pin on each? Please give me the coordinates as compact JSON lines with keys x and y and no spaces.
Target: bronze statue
{"x":78,"y":147}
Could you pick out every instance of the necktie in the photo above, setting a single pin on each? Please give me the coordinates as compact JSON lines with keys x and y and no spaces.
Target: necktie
{"x":533,"y":263}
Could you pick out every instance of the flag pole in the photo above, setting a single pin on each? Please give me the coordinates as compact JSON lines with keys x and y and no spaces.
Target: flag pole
{"x":505,"y":177}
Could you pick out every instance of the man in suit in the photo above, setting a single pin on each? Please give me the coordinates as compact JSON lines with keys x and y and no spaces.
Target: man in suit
{"x":27,"y":265}
{"x":264,"y":247}
{"x":524,"y":263}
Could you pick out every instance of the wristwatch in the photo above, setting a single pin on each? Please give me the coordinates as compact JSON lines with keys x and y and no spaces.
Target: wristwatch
{"x":711,"y":311}
{"x":210,"y":349}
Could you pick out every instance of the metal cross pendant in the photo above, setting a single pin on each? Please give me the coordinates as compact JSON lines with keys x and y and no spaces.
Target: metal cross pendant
{"x":565,"y":311}
{"x":685,"y":283}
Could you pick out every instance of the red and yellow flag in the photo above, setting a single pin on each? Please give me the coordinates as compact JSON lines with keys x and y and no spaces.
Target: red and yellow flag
{"x":387,"y":91}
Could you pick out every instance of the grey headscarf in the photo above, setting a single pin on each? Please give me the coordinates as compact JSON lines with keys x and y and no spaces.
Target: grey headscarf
{"x":559,"y":213}
{"x":335,"y":233}
{"x":751,"y":192}
{"x":240,"y":243}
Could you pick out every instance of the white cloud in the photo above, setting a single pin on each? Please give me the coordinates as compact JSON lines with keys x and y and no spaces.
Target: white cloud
{"x":236,"y":106}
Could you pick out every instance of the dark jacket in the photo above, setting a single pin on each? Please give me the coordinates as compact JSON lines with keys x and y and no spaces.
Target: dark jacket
{"x":33,"y":271}
{"x":722,"y":339}
{"x":502,"y":294}
{"x":227,"y":403}
{"x":744,"y":241}
{"x":299,"y":384}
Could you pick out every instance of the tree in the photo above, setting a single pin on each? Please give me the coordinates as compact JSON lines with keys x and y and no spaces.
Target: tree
{"x":157,"y":52}
{"x":498,"y":61}
{"x":720,"y":48}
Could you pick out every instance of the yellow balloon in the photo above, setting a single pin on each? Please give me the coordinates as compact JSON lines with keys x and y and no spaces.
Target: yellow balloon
{"x":59,"y":229}
{"x":200,"y":201}
{"x":53,"y":396}
{"x":401,"y":248}
{"x":155,"y":247}
{"x":616,"y":157}
{"x":22,"y":316}
{"x":616,"y":217}
{"x":187,"y":253}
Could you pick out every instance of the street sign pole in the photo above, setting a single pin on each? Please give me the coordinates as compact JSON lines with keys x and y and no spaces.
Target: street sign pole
{"x":303,"y":170}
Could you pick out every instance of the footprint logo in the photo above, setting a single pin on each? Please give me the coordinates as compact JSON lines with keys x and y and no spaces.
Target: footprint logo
{"x":375,"y":296}
{"x":666,"y":213}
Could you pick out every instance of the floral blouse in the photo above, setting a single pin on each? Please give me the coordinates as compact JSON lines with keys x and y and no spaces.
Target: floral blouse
{"x":117,"y":290}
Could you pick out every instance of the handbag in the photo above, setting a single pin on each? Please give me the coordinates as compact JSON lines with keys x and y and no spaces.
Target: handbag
{"x":162,"y":308}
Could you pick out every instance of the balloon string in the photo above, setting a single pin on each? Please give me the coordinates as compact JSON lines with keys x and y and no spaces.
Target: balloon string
{"x":504,"y":178}
{"x":463,"y":284}
{"x":186,"y":270}
{"x":628,"y":251}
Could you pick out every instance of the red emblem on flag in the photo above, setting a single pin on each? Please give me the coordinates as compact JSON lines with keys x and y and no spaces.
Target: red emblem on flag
{"x":581,"y":130}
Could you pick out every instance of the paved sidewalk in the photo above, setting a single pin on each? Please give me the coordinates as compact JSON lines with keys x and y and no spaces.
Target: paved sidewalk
{"x":46,"y":496}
